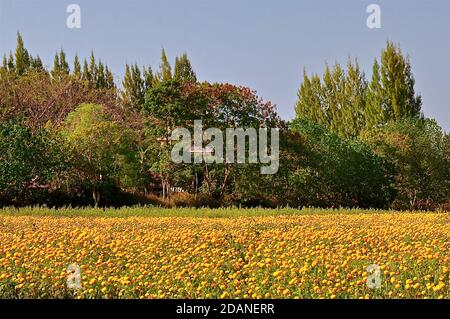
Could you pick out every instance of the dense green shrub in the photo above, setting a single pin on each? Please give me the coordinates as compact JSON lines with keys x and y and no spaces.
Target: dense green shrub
{"x":420,"y":151}
{"x":342,"y":172}
{"x":29,"y":161}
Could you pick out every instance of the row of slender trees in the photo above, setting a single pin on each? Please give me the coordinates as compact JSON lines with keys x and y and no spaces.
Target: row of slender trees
{"x":70,"y":135}
{"x":346,"y":103}
{"x":135,"y":84}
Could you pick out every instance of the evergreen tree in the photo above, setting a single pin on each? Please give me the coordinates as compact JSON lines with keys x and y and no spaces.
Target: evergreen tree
{"x":317,"y":93}
{"x":93,"y":70}
{"x":345,"y":103}
{"x":76,"y":67}
{"x":165,"y":70}
{"x":177,"y":68}
{"x":86,"y":76}
{"x":109,"y":79}
{"x":338,"y":102}
{"x":63,"y":65}
{"x":309,"y":104}
{"x":100,"y":81}
{"x":414,"y":102}
{"x":329,"y":107}
{"x":149,"y":79}
{"x":133,"y":91}
{"x":4,"y":67}
{"x":392,"y":93}
{"x":37,"y":65}
{"x":183,"y":69}
{"x":56,"y":71}
{"x":60,"y":66}
{"x":11,"y":64}
{"x":376,"y":113}
{"x":355,"y":101}
{"x":22,"y":57}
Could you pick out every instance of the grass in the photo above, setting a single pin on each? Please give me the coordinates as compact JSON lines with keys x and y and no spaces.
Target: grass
{"x":152,"y":211}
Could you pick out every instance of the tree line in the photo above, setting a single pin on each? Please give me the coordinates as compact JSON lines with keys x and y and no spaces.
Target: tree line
{"x":70,"y":135}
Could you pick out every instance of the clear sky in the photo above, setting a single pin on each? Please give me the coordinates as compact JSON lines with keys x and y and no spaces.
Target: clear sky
{"x":263,"y":44}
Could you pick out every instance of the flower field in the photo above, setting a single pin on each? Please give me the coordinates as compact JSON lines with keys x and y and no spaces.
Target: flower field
{"x":287,"y":256}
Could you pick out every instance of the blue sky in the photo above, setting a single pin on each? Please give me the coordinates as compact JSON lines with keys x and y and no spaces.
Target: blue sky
{"x":263,"y":44}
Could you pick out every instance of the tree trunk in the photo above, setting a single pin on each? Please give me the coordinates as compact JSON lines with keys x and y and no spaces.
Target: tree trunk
{"x":165,"y":188}
{"x":96,"y":196}
{"x":224,"y":183}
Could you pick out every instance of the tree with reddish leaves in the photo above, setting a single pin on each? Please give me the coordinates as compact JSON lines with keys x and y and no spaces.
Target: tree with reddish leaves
{"x":172,"y":105}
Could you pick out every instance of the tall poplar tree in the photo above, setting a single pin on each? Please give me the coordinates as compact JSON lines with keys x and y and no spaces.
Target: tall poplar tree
{"x":391,"y":94}
{"x":149,"y":79}
{"x":56,"y":71}
{"x":100,"y":81}
{"x":93,"y":70}
{"x":37,"y":65}
{"x":309,"y":98}
{"x":22,"y":57}
{"x":353,"y":112}
{"x":165,"y":70}
{"x":4,"y":67}
{"x":11,"y":64}
{"x":109,"y":79}
{"x":345,"y":103}
{"x":133,"y":90}
{"x":63,"y":65}
{"x":183,"y":69}
{"x":376,"y":113}
{"x":76,"y":68}
{"x":86,"y":76}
